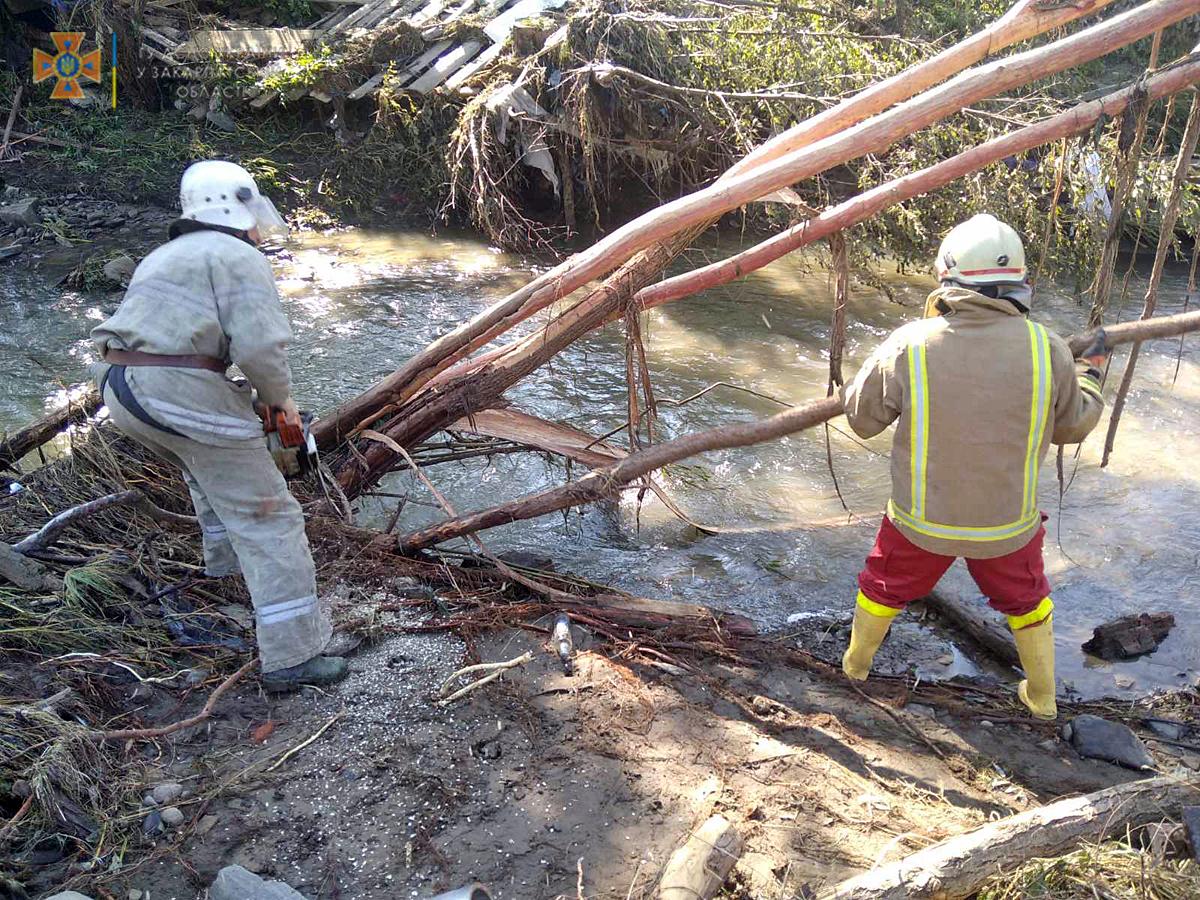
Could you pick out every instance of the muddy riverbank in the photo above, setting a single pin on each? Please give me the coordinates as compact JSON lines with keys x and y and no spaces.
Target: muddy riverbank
{"x":617,"y":764}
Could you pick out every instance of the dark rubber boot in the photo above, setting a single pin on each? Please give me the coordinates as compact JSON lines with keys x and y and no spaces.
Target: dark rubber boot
{"x":320,"y":670}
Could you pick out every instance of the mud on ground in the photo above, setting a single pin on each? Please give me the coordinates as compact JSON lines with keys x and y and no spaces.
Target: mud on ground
{"x":530,"y":780}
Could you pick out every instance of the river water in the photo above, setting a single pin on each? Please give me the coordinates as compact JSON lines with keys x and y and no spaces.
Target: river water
{"x":1123,"y":539}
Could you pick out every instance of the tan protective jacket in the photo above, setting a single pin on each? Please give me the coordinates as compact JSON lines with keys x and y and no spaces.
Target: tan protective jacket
{"x":212,"y":294}
{"x":979,"y":394}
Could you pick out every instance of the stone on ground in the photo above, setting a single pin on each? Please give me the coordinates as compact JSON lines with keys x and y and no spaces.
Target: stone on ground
{"x":238,"y":883}
{"x":1097,"y":738}
{"x":22,"y":212}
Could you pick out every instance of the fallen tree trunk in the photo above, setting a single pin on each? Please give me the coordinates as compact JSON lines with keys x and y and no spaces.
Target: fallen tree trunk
{"x":479,"y":383}
{"x":37,"y":433}
{"x":1023,"y":21}
{"x":1170,"y":80}
{"x":958,"y":867}
{"x":608,"y":482}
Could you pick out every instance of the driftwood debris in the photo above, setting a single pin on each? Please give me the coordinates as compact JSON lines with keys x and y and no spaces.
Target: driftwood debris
{"x":700,"y":865}
{"x":49,"y":533}
{"x":25,"y":573}
{"x":608,"y":482}
{"x":77,"y":408}
{"x":1129,"y":636}
{"x":958,"y":867}
{"x":661,"y":228}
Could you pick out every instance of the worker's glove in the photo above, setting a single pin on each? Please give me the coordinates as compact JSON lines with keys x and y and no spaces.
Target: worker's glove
{"x":1097,"y":351}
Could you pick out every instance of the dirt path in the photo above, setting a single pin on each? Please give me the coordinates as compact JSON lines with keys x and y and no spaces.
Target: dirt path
{"x":614,"y":766}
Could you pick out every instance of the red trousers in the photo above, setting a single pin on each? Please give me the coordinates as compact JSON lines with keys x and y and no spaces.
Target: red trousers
{"x":897,"y":572}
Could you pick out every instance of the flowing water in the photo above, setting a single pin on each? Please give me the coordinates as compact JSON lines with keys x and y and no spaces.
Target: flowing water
{"x":1123,"y":539}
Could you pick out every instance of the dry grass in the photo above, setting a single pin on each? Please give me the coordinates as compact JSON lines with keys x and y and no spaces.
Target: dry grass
{"x":1111,"y":871}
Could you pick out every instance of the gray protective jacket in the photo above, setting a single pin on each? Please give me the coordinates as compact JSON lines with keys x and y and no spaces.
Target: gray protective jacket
{"x":979,"y":395}
{"x":212,"y":294}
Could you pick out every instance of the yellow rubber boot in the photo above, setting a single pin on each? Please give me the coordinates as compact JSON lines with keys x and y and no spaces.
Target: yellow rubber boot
{"x":871,"y":623}
{"x":1035,"y":646}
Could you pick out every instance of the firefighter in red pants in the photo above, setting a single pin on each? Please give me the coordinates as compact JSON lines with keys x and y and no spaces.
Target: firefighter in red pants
{"x":978,"y":392}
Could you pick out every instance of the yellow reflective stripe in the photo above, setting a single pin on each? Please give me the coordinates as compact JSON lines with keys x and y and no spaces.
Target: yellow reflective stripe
{"x":1039,"y":404}
{"x":962,"y":532}
{"x":918,"y":385}
{"x":1090,"y":384}
{"x":877,"y":609}
{"x":1036,"y":616}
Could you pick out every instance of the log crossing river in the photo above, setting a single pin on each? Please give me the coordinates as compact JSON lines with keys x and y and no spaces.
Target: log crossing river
{"x":1124,"y":539}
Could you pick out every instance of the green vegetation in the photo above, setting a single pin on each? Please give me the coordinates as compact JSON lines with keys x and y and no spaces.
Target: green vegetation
{"x":719,"y":84}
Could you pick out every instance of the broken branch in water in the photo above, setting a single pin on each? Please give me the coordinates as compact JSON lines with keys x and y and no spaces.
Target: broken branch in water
{"x":1166,"y":239}
{"x":80,"y":404}
{"x":607,"y":482}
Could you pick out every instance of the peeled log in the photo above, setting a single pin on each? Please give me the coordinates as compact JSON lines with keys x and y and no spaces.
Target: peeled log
{"x":477,"y":383}
{"x":1170,"y":80}
{"x":37,"y":433}
{"x":698,"y":868}
{"x":1023,"y":21}
{"x":957,"y":868}
{"x":608,"y":482}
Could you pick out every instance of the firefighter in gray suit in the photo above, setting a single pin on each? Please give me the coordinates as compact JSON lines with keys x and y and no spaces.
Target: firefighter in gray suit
{"x":202,"y":301}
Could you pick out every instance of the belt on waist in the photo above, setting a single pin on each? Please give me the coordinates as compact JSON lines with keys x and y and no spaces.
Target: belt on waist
{"x":114,"y":377}
{"x":169,"y":361}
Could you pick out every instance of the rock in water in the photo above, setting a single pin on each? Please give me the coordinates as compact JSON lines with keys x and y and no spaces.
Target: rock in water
{"x":1097,"y":738}
{"x":237,"y":883}
{"x":1130,"y":636}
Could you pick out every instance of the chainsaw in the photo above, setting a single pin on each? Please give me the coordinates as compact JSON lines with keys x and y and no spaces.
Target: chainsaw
{"x":293,"y":448}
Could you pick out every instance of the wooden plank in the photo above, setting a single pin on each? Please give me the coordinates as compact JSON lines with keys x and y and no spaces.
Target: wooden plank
{"x":390,"y":14}
{"x":362,"y":12}
{"x":499,"y":30}
{"x":410,"y":72}
{"x":247,"y":42}
{"x":501,"y":27}
{"x":401,"y":12}
{"x":446,"y":66}
{"x":428,"y":13}
{"x":487,"y":56}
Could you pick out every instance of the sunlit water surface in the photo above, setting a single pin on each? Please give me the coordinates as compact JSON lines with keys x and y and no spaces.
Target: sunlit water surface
{"x":1123,"y":539}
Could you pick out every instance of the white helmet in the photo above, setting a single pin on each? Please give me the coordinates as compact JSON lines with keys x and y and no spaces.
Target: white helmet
{"x":981,"y":251}
{"x":223,"y":193}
